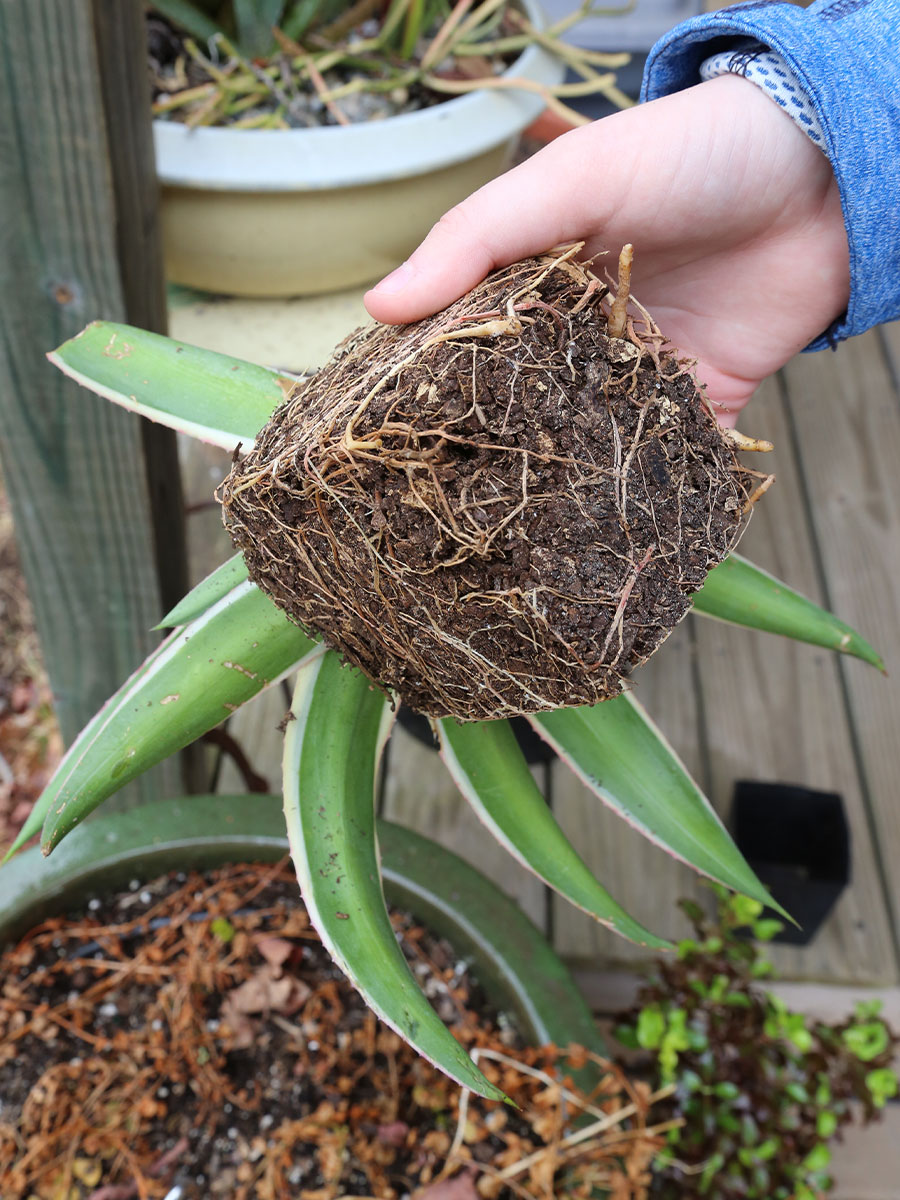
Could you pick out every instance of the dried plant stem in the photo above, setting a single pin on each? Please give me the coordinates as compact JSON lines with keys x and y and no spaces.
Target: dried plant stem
{"x":618,"y":317}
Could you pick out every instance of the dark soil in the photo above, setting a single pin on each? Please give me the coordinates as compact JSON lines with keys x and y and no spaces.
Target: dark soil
{"x":498,"y":510}
{"x":193,"y":1034}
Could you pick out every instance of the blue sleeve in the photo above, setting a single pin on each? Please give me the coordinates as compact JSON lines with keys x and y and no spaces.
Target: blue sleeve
{"x":846,"y":53}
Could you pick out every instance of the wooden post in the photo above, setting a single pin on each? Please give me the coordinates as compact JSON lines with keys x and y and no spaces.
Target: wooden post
{"x":78,"y":241}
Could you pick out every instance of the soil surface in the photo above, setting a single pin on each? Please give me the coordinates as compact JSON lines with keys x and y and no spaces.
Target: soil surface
{"x":498,"y":510}
{"x":191,"y":1038}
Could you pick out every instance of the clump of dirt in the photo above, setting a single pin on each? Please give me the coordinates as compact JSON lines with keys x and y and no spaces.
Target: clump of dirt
{"x":502,"y":509}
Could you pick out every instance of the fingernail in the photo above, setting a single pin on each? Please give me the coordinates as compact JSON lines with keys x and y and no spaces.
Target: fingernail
{"x":396,"y":281}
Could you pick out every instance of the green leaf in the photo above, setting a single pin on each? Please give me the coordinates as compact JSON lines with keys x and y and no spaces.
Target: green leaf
{"x":187,"y":17}
{"x":651,"y":1027}
{"x":331,"y":754}
{"x":882,"y":1084}
{"x":254,"y":20}
{"x":201,"y":598}
{"x":742,"y":594}
{"x":826,"y":1123}
{"x":192,"y":682}
{"x":764,"y":931}
{"x":211,"y":396}
{"x":867,"y":1040}
{"x":490,"y":770}
{"x":623,"y":758}
{"x":223,"y":929}
{"x":818,"y":1158}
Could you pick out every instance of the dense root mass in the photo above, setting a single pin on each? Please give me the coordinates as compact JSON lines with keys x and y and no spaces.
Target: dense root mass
{"x":498,"y":510}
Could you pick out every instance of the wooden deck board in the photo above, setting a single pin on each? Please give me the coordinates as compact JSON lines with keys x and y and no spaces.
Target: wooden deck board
{"x":846,"y":414}
{"x":775,"y":711}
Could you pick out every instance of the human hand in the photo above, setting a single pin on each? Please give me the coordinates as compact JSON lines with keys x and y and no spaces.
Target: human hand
{"x":740,"y":248}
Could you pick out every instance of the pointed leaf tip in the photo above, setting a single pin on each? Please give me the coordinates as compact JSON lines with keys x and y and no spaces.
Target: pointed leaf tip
{"x":195,"y":679}
{"x":490,"y":770}
{"x":331,"y":754}
{"x":215,"y":397}
{"x":622,"y":756}
{"x":740,"y":593}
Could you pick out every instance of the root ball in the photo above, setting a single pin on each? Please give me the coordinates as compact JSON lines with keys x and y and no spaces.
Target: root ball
{"x":498,"y":510}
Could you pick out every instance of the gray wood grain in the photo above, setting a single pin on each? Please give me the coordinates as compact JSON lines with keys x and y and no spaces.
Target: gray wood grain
{"x":845,"y":410}
{"x":74,"y":465}
{"x":776,"y":709}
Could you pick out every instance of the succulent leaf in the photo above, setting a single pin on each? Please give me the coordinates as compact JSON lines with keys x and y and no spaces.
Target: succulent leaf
{"x":331,"y":754}
{"x":743,"y":594}
{"x":210,"y":396}
{"x":624,"y":759}
{"x":199,"y":675}
{"x":490,"y":770}
{"x":201,"y":598}
{"x":188,"y":17}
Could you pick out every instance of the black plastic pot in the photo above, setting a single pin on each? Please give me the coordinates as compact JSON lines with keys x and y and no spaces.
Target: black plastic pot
{"x":518,"y":969}
{"x":798,"y":842}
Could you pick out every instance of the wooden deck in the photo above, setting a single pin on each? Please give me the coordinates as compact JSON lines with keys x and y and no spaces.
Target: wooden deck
{"x":736,"y":705}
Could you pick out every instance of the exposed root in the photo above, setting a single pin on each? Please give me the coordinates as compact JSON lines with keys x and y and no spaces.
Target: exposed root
{"x":740,"y":441}
{"x":502,"y":509}
{"x":758,"y":491}
{"x":618,"y":317}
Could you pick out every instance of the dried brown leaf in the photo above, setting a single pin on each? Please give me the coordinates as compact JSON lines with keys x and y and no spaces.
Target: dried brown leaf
{"x":459,"y":1187}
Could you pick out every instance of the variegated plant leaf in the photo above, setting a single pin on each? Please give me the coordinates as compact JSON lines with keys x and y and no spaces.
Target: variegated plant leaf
{"x":331,"y":754}
{"x":616,"y":749}
{"x":210,"y":396}
{"x":193,"y":681}
{"x":743,"y":594}
{"x":490,"y":770}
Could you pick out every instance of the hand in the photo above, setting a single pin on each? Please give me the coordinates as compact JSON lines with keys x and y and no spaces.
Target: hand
{"x":740,"y":249}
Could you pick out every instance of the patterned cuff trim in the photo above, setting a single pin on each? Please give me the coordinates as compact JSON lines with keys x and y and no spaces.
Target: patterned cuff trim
{"x":770,"y":72}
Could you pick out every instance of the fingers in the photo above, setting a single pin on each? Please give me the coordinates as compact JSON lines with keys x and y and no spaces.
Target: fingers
{"x":544,"y":201}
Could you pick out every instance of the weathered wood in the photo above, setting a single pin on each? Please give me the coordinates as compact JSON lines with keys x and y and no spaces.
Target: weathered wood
{"x":846,"y":416}
{"x":120,"y":35}
{"x":775,"y":709}
{"x":74,"y":465}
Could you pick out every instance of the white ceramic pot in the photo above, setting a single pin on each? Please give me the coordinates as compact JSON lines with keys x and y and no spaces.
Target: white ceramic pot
{"x":299,"y":211}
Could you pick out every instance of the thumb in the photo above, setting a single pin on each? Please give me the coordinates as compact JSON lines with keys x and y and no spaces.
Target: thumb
{"x":526,"y":211}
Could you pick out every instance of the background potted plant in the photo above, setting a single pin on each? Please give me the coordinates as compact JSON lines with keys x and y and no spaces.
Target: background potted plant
{"x":760,"y":1090}
{"x":245,"y":993}
{"x":308,"y":146}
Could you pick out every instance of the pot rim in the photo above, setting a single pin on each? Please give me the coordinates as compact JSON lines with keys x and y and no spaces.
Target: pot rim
{"x":513,"y":961}
{"x":261,"y":160}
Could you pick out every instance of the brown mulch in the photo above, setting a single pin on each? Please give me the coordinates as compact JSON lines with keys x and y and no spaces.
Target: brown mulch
{"x":191,"y":1038}
{"x":30,"y":743}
